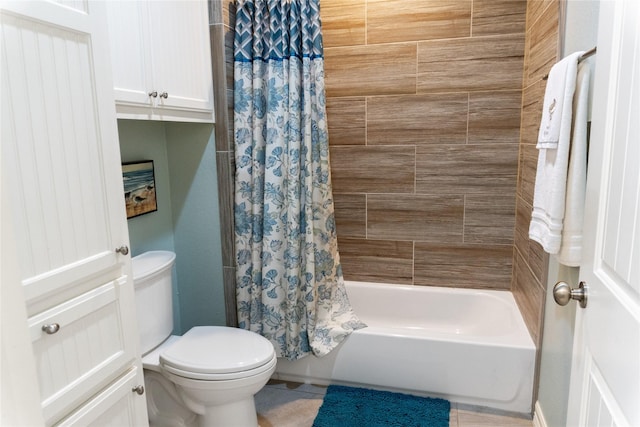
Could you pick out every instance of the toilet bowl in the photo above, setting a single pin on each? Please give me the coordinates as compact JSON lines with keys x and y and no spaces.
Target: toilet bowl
{"x":208,"y":376}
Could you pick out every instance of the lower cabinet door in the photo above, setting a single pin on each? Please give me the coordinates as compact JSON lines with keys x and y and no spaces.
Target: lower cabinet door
{"x":122,"y":404}
{"x":80,"y":346}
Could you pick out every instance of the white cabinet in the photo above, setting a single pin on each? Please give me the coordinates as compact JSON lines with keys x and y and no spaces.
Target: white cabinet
{"x":62,"y":182}
{"x":116,"y":406}
{"x":79,"y":346}
{"x":161,"y":59}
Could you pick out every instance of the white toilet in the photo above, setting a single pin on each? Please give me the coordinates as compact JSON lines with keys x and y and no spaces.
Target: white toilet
{"x":208,"y":376}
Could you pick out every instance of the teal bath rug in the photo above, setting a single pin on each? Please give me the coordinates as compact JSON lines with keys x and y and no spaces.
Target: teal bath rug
{"x":360,"y":407}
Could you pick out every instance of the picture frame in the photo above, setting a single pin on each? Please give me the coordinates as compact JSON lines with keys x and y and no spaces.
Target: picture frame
{"x":139,"y":188}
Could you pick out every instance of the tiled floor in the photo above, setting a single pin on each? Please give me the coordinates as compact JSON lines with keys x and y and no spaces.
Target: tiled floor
{"x":284,"y":404}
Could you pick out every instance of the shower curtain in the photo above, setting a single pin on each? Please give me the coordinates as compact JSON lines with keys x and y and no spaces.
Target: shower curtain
{"x":289,"y":283}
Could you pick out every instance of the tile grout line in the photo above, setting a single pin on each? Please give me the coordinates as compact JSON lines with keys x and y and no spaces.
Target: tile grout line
{"x":454,"y":410}
{"x":415,"y":170}
{"x":464,"y":216}
{"x":471,"y":20}
{"x":468,"y":116}
{"x":288,"y":390}
{"x":417,"y":69}
{"x":415,"y":194}
{"x":366,"y":22}
{"x":366,"y":142}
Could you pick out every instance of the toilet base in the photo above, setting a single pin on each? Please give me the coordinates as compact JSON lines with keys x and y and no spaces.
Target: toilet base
{"x":234,"y":414}
{"x":222,"y":403}
{"x":228,"y":404}
{"x":168,"y":408}
{"x":164,"y":406}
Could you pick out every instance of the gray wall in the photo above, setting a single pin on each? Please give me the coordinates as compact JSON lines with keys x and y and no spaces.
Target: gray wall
{"x":145,"y":140}
{"x":196,"y":221}
{"x":187,"y":221}
{"x":580,"y":33}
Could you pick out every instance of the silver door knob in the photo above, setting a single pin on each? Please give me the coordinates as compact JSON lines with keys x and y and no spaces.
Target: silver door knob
{"x":138,"y":389}
{"x":164,"y":95}
{"x":153,"y":94}
{"x":562,"y":294}
{"x":124,"y":250}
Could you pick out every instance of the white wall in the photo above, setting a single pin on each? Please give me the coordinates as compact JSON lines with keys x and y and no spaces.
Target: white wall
{"x":580,"y":33}
{"x":557,"y":344}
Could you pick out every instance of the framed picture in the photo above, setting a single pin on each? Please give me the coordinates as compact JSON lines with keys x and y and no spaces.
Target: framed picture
{"x":139,"y":188}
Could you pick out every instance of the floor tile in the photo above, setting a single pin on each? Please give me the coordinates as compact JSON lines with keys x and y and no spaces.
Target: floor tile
{"x":287,"y":404}
{"x":297,"y":387}
{"x":283,"y":405}
{"x":467,"y":418}
{"x":453,"y":416}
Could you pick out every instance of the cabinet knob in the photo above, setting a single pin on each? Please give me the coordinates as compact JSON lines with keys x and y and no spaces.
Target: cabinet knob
{"x":164,"y":95}
{"x":153,"y":94}
{"x":124,"y":250}
{"x":138,"y":389}
{"x":51,"y":328}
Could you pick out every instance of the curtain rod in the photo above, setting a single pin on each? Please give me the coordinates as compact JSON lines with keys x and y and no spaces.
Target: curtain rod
{"x":582,"y":57}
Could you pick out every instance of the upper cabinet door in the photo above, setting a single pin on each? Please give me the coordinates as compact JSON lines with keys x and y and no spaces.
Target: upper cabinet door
{"x":181,"y":54}
{"x":130,"y":44}
{"x":60,"y":152}
{"x":161,"y":59}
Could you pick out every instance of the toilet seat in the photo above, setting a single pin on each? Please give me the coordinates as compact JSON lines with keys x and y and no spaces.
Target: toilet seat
{"x":221,"y":377}
{"x":151,"y":360}
{"x":214,"y":353}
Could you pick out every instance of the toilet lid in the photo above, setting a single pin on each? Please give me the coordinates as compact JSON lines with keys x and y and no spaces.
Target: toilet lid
{"x":218,"y":350}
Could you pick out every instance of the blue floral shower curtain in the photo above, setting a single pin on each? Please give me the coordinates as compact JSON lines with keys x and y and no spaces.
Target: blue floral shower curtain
{"x":290,"y":287}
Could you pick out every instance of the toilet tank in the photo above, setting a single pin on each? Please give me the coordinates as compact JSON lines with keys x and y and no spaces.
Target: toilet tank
{"x":153,"y":289}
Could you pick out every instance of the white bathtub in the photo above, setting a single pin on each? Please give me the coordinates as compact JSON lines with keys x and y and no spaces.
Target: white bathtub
{"x":468,"y":346}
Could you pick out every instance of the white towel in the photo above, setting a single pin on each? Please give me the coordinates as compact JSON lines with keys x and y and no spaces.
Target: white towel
{"x":571,"y":245}
{"x":556,"y":109}
{"x":551,"y":175}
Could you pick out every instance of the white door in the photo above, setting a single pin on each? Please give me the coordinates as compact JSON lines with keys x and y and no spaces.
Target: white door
{"x":605,"y":378}
{"x":62,"y":183}
{"x":60,"y":152}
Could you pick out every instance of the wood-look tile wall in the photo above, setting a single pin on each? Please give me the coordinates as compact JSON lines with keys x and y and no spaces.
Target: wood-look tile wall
{"x":412,"y":156}
{"x":221,"y":24}
{"x":424,"y":103}
{"x":530,"y":262}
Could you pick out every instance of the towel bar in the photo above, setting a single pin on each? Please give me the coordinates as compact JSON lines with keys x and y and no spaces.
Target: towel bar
{"x":584,"y":56}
